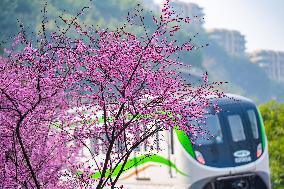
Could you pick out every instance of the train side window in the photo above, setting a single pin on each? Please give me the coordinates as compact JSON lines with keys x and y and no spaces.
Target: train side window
{"x":94,"y":146}
{"x":103,"y":145}
{"x":145,"y":142}
{"x":137,"y":138}
{"x":172,"y":140}
{"x":253,"y":123}
{"x":137,"y":149}
{"x":157,"y":141}
{"x":237,"y":128}
{"x":120,"y":146}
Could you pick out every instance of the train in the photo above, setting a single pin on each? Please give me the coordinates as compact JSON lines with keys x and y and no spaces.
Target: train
{"x":233,"y":154}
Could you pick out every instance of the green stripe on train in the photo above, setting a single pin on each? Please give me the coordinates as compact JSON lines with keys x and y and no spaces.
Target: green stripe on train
{"x":185,"y":142}
{"x":136,"y":161}
{"x":262,"y":129}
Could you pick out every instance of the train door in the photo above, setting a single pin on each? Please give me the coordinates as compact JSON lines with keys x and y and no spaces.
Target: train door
{"x":239,"y":135}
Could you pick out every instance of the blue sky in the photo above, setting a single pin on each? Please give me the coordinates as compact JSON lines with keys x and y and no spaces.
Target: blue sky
{"x":261,"y":21}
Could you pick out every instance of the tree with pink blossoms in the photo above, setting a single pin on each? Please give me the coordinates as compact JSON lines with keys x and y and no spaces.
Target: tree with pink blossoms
{"x":33,"y":84}
{"x":114,"y":88}
{"x":30,"y":96}
{"x":132,"y":89}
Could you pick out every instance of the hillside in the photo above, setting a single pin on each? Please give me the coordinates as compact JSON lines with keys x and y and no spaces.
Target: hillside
{"x":242,"y":76}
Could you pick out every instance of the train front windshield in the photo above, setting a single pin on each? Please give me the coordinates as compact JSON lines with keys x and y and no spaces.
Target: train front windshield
{"x":229,"y":138}
{"x":207,"y":133}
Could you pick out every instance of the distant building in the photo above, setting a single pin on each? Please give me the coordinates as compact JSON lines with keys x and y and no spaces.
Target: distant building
{"x":232,"y":41}
{"x":190,"y":10}
{"x":272,"y":63}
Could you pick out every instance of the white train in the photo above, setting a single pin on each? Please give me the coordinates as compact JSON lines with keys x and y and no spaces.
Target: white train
{"x":235,"y":158}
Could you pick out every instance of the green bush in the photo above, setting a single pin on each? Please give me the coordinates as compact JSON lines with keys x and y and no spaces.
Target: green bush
{"x":273,"y":116}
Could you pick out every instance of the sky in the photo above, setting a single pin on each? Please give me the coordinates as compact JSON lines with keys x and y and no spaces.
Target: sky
{"x":261,"y":21}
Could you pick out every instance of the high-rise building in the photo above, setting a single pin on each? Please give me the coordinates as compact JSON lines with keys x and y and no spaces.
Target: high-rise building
{"x":272,"y":63}
{"x":232,"y":41}
{"x":190,"y":10}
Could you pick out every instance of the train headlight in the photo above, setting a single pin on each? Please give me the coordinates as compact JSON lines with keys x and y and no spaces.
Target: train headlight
{"x":199,"y":157}
{"x":259,"y":150}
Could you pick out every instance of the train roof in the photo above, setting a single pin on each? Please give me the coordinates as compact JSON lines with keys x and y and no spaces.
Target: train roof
{"x":231,"y":99}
